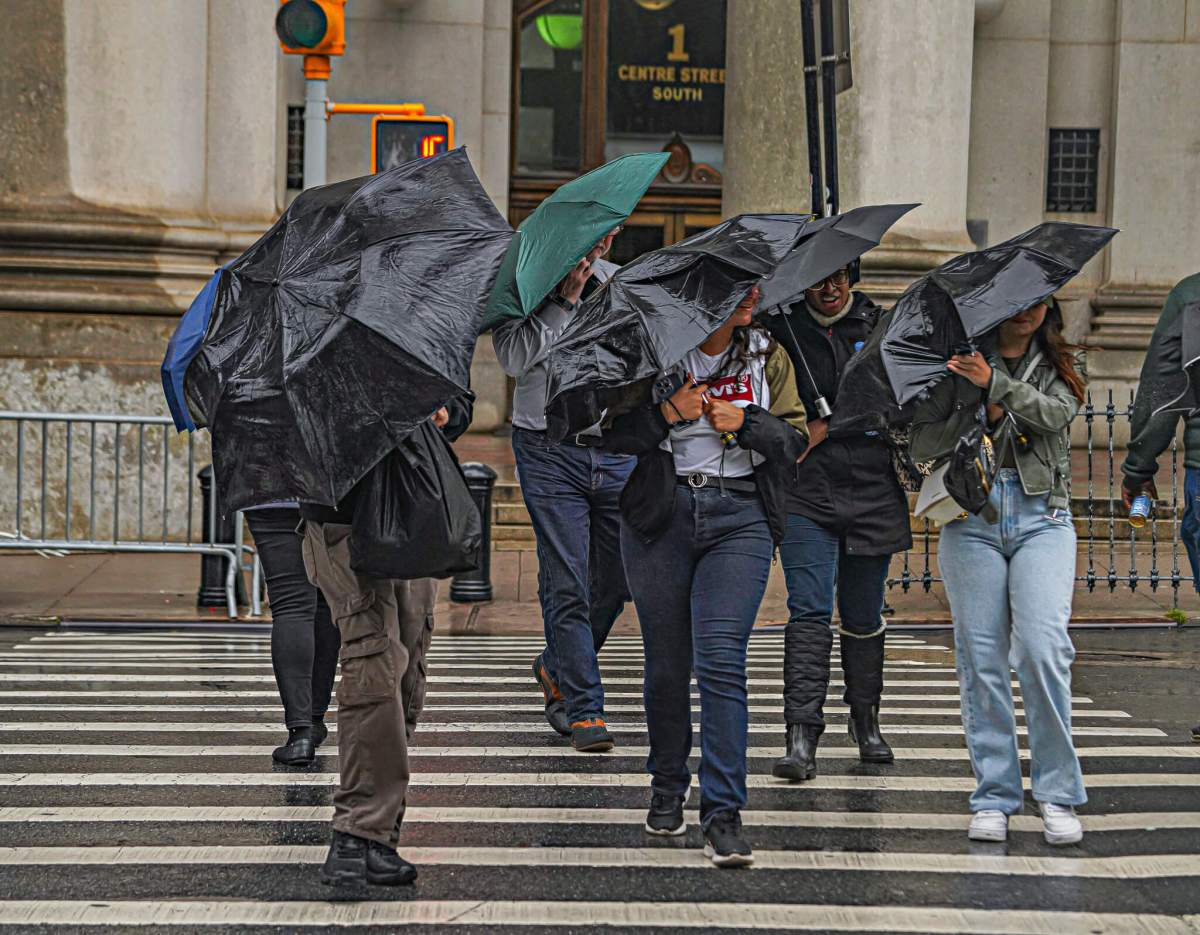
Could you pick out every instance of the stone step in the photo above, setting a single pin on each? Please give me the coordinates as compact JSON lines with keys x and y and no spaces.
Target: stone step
{"x":510,"y":514}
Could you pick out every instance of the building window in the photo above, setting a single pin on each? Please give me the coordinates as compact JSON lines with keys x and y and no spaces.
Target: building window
{"x":1072,"y":171}
{"x":295,"y":146}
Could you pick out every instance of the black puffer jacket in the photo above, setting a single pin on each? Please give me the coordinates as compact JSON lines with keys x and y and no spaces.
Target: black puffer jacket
{"x":847,"y":483}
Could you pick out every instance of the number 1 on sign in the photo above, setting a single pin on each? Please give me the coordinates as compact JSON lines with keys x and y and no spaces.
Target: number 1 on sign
{"x":678,"y":37}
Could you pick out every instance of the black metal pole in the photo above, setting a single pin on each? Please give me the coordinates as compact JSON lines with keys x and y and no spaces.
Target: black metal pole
{"x":470,"y":586}
{"x":812,"y":119}
{"x":829,"y":103}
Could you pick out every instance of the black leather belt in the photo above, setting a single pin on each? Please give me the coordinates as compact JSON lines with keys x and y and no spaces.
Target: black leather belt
{"x":696,"y":481}
{"x":580,"y":440}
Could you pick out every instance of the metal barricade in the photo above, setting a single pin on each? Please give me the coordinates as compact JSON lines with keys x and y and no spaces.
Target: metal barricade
{"x":1112,"y":549}
{"x":84,"y":482}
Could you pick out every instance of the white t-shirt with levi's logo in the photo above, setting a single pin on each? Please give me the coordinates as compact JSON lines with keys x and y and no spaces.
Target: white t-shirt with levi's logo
{"x":698,"y":447}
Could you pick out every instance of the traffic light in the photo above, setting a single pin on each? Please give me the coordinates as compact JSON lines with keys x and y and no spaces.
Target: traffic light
{"x":311,"y":27}
{"x":399,"y":139}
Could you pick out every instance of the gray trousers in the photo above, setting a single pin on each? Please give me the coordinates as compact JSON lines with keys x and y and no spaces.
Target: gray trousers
{"x":385,"y":627}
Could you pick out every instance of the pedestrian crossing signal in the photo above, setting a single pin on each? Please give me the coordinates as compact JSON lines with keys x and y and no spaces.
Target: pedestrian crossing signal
{"x":395,"y":140}
{"x":311,"y":27}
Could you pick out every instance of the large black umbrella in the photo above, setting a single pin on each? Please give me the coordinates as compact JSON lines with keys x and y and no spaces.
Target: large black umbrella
{"x":829,"y":244}
{"x":653,"y":311}
{"x":957,"y":303}
{"x":349,"y":322}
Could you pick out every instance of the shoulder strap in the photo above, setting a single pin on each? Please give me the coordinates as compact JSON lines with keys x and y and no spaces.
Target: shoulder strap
{"x":1037,"y":359}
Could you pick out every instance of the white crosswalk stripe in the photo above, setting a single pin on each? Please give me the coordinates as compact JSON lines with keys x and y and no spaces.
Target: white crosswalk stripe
{"x":149,"y":753}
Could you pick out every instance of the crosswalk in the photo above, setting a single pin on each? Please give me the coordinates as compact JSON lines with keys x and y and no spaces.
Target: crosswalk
{"x":137,"y":793}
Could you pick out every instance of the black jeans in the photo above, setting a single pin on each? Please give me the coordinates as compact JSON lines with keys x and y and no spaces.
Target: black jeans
{"x":304,"y":641}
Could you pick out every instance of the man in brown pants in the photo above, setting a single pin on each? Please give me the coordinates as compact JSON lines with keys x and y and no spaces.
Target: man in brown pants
{"x":385,"y":626}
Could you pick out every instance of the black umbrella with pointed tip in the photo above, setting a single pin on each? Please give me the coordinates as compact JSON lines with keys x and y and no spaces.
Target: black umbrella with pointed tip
{"x":959,"y":302}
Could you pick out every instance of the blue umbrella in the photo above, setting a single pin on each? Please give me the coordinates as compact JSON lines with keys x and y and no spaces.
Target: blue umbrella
{"x":183,"y":346}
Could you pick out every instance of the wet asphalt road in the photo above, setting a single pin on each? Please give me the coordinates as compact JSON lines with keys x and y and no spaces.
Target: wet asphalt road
{"x":137,"y":793}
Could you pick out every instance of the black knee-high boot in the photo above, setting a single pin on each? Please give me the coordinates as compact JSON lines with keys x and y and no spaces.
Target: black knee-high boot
{"x":862,"y":665}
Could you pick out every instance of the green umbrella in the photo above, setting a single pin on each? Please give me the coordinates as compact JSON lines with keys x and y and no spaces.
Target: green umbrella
{"x":563,"y":228}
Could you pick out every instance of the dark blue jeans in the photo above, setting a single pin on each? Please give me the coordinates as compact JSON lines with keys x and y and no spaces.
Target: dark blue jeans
{"x":1189,"y":527}
{"x":816,"y":567}
{"x":572,"y":495}
{"x":697,"y":588}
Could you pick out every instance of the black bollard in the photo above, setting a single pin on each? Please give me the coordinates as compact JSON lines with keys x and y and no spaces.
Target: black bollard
{"x":471,"y":586}
{"x":219,"y":529}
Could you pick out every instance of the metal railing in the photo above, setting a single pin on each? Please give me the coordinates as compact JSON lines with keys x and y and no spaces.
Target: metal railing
{"x":1113,"y":553}
{"x":85,"y":482}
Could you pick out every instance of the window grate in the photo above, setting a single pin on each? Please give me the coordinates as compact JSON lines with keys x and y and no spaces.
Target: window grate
{"x":1073,"y":170}
{"x":295,"y":146}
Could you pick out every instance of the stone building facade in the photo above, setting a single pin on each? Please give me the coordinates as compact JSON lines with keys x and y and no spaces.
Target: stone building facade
{"x":146,"y":141}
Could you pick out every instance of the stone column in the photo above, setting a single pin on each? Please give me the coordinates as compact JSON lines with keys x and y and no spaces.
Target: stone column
{"x":903,"y":128}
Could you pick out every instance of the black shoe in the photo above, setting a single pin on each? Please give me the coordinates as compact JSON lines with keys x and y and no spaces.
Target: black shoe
{"x":1196,"y":734}
{"x":319,"y":732}
{"x":864,"y":730}
{"x":591,"y":736}
{"x":556,"y":705}
{"x":353,"y":859}
{"x":666,"y":815}
{"x":723,"y":841}
{"x":800,"y":761}
{"x":299,"y":749}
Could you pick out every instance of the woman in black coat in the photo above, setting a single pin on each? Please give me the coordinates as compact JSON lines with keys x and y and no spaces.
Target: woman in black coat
{"x":847,"y":516}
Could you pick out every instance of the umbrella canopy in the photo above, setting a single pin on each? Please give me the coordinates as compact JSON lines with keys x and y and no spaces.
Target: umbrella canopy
{"x":830,"y":244}
{"x":183,"y":347}
{"x":349,"y":322}
{"x":1174,"y":384}
{"x":563,"y":228}
{"x":960,"y":301}
{"x":653,"y":311}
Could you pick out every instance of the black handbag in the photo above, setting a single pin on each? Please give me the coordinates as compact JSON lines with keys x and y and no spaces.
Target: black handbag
{"x":415,"y":517}
{"x":971,"y":470}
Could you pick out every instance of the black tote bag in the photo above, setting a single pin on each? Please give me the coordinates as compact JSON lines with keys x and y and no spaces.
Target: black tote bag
{"x":415,"y":517}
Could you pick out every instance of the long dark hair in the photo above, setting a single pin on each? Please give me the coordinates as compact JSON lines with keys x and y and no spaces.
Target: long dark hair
{"x":739,"y":355}
{"x":1059,"y":351}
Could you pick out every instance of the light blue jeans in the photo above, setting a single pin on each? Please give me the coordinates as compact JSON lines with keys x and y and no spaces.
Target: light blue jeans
{"x":1010,"y":587}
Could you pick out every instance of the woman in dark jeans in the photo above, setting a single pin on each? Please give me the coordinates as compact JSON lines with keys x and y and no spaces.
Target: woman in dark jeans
{"x":847,"y":516}
{"x":304,"y":641}
{"x":699,"y":518}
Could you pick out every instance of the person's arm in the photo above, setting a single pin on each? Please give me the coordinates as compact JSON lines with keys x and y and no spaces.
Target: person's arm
{"x":459,"y":412}
{"x":1150,"y":435}
{"x":939,"y":422}
{"x":1045,"y":413}
{"x":646,"y":426}
{"x":785,"y":398}
{"x":522,"y":345}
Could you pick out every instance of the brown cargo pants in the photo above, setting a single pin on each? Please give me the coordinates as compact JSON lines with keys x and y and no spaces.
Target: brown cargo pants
{"x":385,"y":626}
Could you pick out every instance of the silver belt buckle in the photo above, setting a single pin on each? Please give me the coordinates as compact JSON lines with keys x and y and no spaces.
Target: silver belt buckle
{"x":696,"y":480}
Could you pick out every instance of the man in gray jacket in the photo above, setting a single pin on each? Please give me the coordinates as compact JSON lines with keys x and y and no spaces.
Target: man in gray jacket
{"x":571,"y":490}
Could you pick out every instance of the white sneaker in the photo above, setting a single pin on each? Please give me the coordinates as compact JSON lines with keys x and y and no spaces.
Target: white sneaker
{"x":1060,"y":826}
{"x":988,"y":825}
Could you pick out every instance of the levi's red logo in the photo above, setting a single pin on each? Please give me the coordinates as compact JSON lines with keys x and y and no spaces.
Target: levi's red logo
{"x":732,"y":389}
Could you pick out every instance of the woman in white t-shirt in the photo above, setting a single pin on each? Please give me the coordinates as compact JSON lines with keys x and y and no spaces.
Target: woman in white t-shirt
{"x":700,"y":518}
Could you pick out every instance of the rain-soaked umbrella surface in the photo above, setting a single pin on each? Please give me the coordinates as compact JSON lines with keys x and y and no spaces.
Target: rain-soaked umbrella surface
{"x":1173,"y":380}
{"x":829,"y":244}
{"x":653,"y":311}
{"x":348,"y":323}
{"x":959,"y":302}
{"x":563,"y":228}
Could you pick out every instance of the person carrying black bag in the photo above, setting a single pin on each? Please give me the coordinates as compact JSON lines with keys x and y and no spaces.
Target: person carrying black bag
{"x":386,"y":624}
{"x":847,"y":516}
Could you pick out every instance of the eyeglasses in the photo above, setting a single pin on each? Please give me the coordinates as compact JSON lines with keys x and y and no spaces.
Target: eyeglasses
{"x":840,"y":278}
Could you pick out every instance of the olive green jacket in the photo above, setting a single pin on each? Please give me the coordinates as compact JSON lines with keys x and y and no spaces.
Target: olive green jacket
{"x":1041,"y":409}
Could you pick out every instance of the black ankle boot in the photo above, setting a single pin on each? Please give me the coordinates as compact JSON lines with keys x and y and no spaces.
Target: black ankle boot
{"x":299,"y":749}
{"x":352,"y":859}
{"x":800,"y":761}
{"x":864,"y":730}
{"x":319,"y":732}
